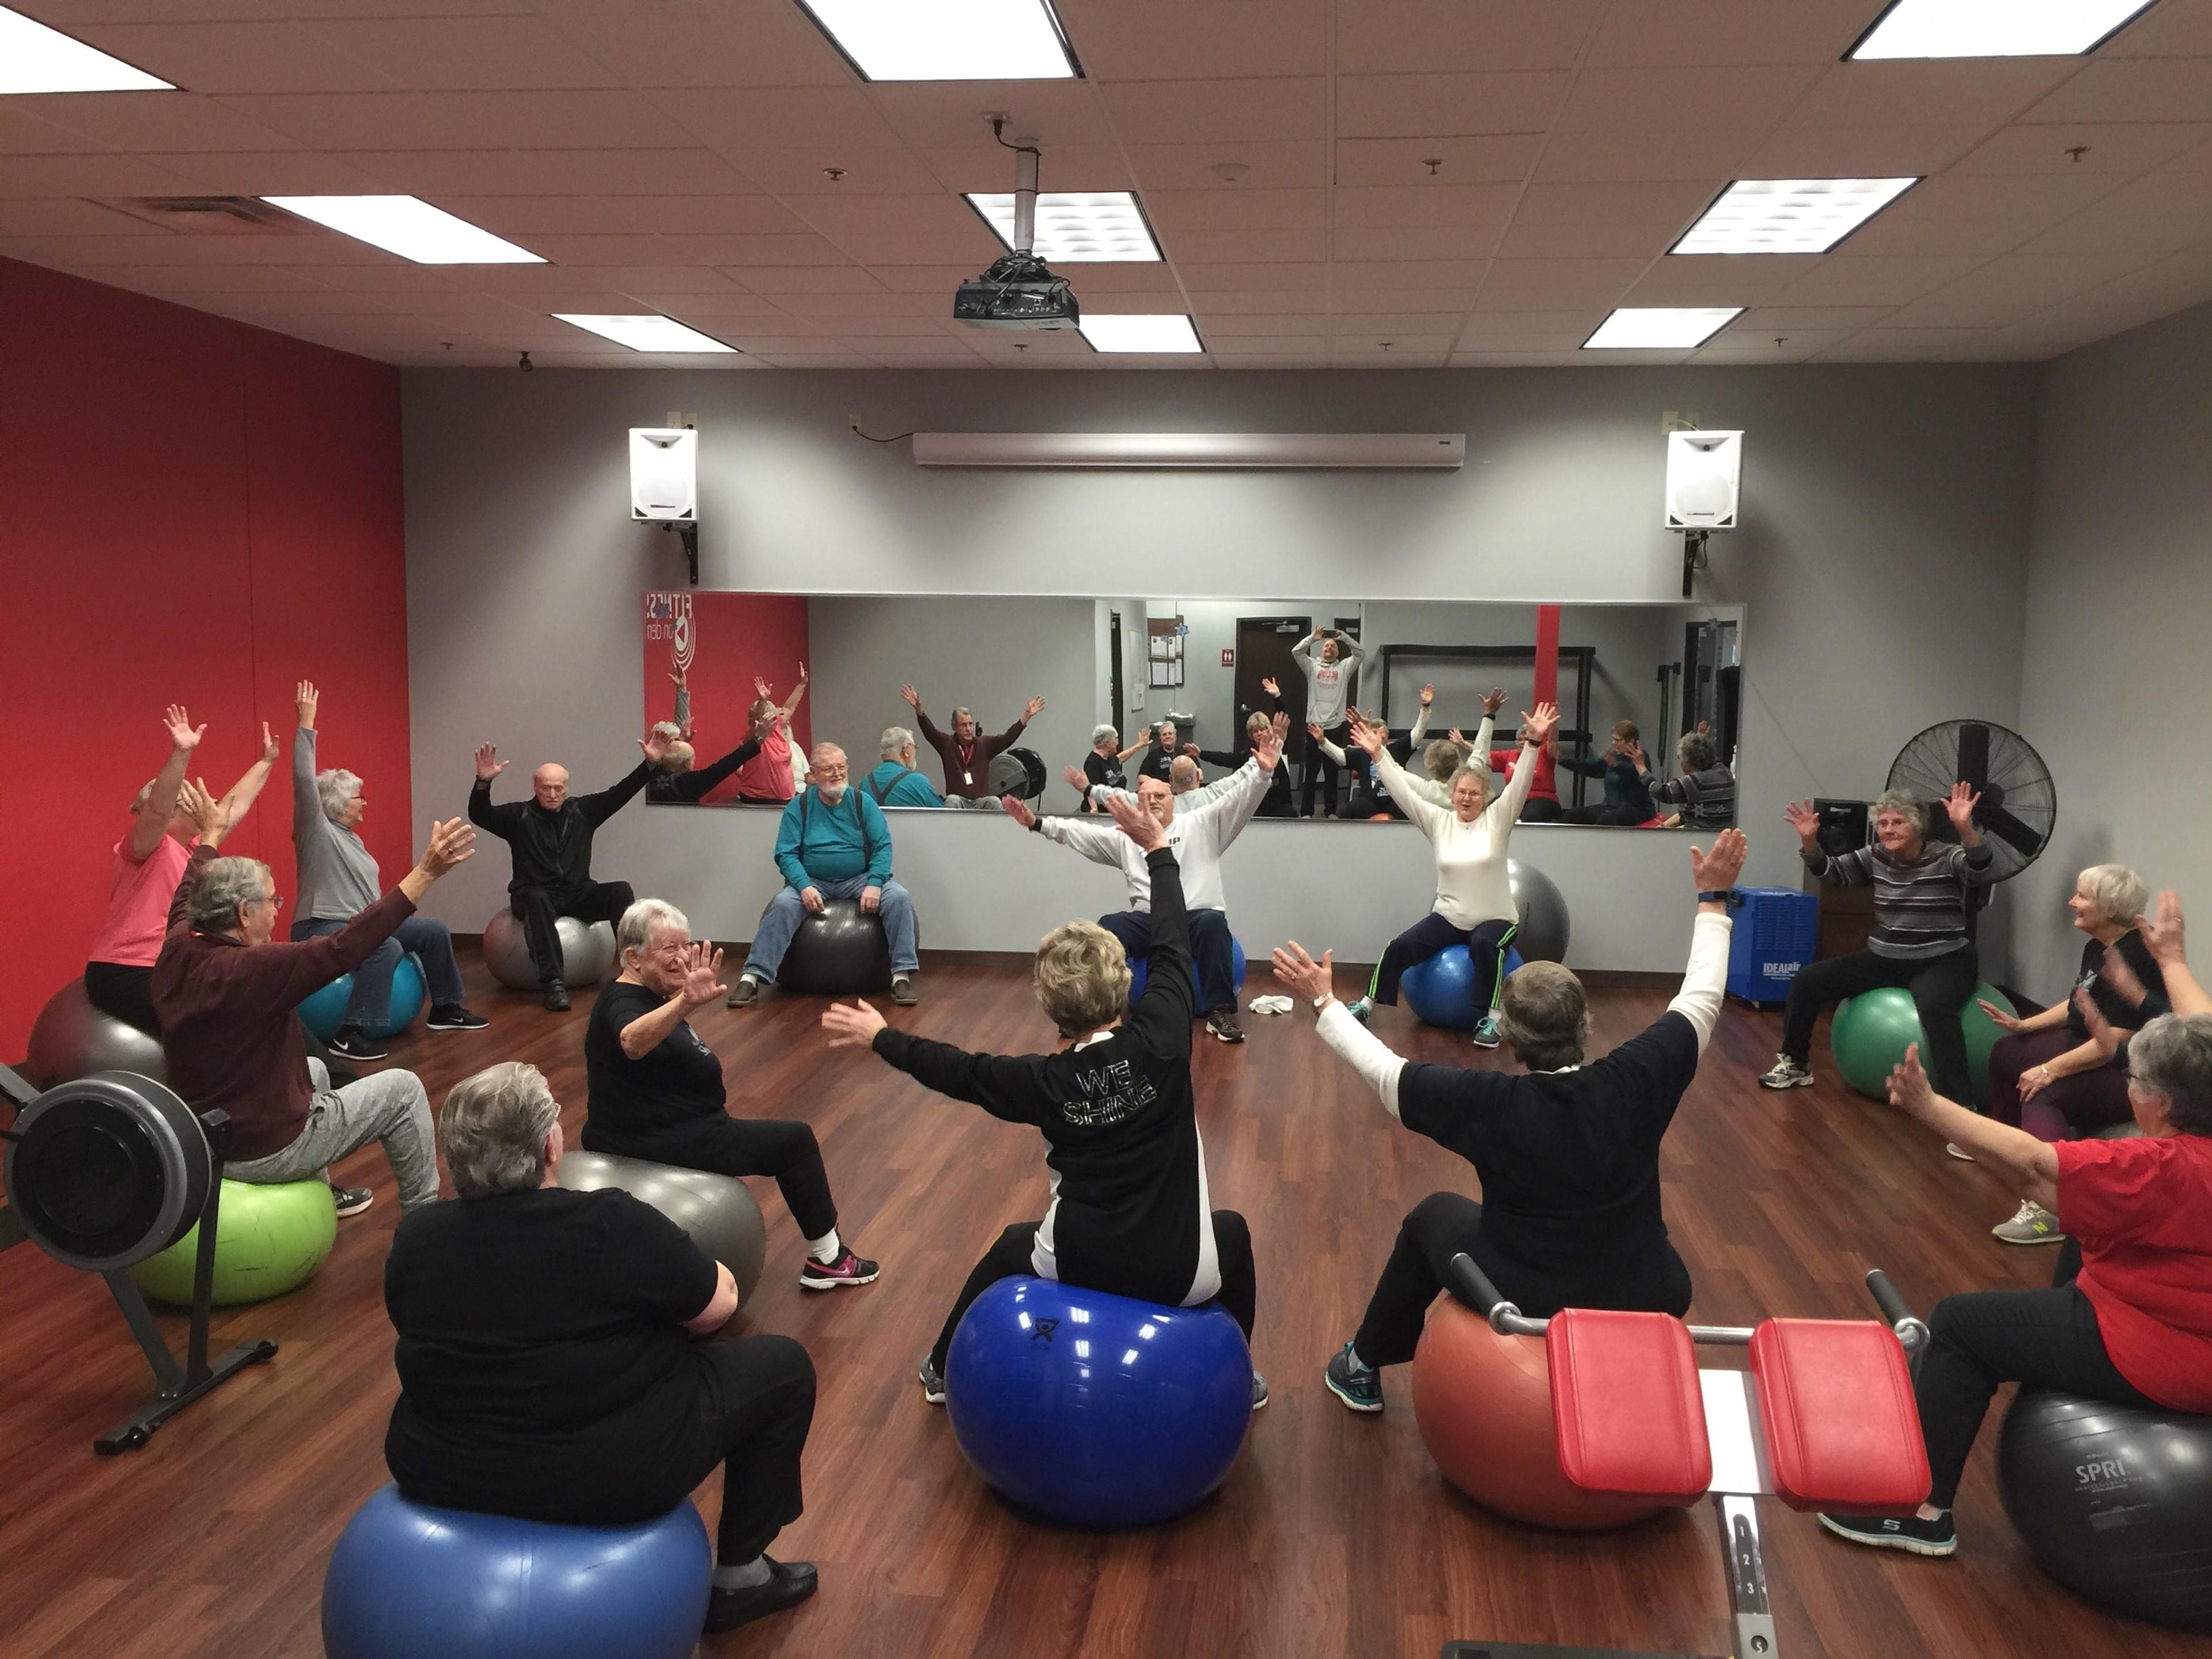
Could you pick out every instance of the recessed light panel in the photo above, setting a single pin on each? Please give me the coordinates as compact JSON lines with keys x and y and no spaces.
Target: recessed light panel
{"x":35,"y":58}
{"x":1169,"y":331}
{"x":1660,"y":327}
{"x":1789,"y":216}
{"x":1994,"y":28}
{"x":409,"y":228}
{"x":947,"y":40}
{"x":647,"y":332}
{"x":1076,"y":227}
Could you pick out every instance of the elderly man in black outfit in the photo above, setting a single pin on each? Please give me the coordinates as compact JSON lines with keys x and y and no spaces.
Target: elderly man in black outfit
{"x":550,"y":837}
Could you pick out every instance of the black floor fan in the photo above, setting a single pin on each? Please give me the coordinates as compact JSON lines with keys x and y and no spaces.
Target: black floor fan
{"x":2019,"y":805}
{"x":101,"y":1174}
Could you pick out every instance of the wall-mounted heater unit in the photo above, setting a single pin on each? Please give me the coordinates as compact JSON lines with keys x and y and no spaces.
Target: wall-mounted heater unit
{"x":1281,"y":451}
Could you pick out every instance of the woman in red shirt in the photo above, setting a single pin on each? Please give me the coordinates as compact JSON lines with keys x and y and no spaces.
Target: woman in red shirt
{"x":2129,"y":1317}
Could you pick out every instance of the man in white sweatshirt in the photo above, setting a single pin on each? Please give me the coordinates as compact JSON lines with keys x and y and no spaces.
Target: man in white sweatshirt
{"x":1208,"y":821}
{"x":1567,"y":1153}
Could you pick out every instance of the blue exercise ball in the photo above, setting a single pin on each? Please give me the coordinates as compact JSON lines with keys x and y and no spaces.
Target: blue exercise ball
{"x":325,"y":1011}
{"x":1236,"y":971}
{"x":1098,"y":1410}
{"x":1442,"y":990}
{"x":407,"y":1580}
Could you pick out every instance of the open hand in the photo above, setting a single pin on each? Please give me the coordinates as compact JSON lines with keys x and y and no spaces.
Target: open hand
{"x":1718,"y":869}
{"x":2162,"y":931}
{"x":1295,"y":969}
{"x":267,"y":746}
{"x":1076,"y":780}
{"x":810,"y":897}
{"x":702,"y":978}
{"x":913,"y":697}
{"x":2033,"y":1081}
{"x":1139,"y":825}
{"x":655,"y":745}
{"x":1537,"y":729}
{"x":1267,"y":746}
{"x":2001,"y":1018}
{"x":2119,"y":976}
{"x":452,"y":843}
{"x":1019,"y":810}
{"x":1800,"y":816}
{"x":1144,"y":734}
{"x":209,"y":815}
{"x":1632,"y":752}
{"x":762,"y":691}
{"x":182,"y":732}
{"x":488,"y":764}
{"x":1270,"y":687}
{"x":1032,"y":708}
{"x":305,"y":701}
{"x":1493,"y":700}
{"x":851,"y":1025}
{"x":1909,"y":1088}
{"x":1314,"y":730}
{"x":1368,"y":737}
{"x":1960,"y":804}
{"x":1428,"y":695}
{"x":676,"y":677}
{"x":1191,"y":750}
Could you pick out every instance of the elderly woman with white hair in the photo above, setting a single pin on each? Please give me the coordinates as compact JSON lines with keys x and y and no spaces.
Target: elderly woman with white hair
{"x":339,"y":879}
{"x":656,"y":1092}
{"x":546,"y":1359}
{"x":1918,"y":941}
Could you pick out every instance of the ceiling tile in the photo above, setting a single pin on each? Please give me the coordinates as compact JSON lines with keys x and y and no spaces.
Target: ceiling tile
{"x":682,"y":43}
{"x":1424,"y":106}
{"x":969,"y":250}
{"x":465,"y":54}
{"x":1271,"y":345}
{"x":584,"y":120}
{"x":1528,"y":241}
{"x":929,"y":114}
{"x":889,"y":170}
{"x":1410,"y":243}
{"x":985,"y":166}
{"x":825,"y":118}
{"x":274,"y":173}
{"x":1530,"y":329}
{"x":154,"y":123}
{"x":1398,"y":275}
{"x":2161,"y":213}
{"x":780,"y":280}
{"x":1395,"y":301}
{"x":104,"y":173}
{"x":1394,"y":36}
{"x":1964,"y":92}
{"x":1433,"y":204}
{"x":1713,"y":154}
{"x":1285,"y":279}
{"x":241,"y":55}
{"x":1616,"y":100}
{"x":68,"y":216}
{"x":1693,"y":33}
{"x":1893,"y":280}
{"x":1220,"y":111}
{"x":2177,"y":29}
{"x":582,"y":214}
{"x":1132,"y":40}
{"x":1230,"y":246}
{"x":1274,"y":165}
{"x":1719,"y":279}
{"x":24,"y":134}
{"x":1235,"y":207}
{"x":2126,"y":90}
{"x":1893,"y":151}
{"x":2105,"y":148}
{"x":1741,"y":346}
{"x":1788,"y":320}
{"x":1543,"y":284}
{"x":1230,"y":326}
{"x":183,"y":281}
{"x":923,"y":279}
{"x":1654,"y":204}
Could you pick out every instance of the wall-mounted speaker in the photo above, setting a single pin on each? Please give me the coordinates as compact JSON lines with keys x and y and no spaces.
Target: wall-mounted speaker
{"x":663,"y":474}
{"x":1705,"y":473}
{"x":1843,"y":826}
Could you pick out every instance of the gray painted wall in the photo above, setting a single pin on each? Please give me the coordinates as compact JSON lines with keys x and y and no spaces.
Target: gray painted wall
{"x":1880,"y":562}
{"x":2119,"y":592}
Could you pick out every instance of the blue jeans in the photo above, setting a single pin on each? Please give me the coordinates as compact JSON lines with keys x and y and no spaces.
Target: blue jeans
{"x":786,"y":911}
{"x":419,"y":936}
{"x":1213,"y":951}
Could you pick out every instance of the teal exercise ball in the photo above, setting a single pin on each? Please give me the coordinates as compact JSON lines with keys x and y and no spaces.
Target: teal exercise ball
{"x":269,"y":1239}
{"x":1871,"y":1032}
{"x":325,"y":1011}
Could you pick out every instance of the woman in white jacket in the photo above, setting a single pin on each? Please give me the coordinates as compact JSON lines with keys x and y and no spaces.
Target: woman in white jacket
{"x":1474,"y":899}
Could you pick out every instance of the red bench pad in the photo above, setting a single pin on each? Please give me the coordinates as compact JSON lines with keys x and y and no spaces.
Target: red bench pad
{"x":1842,"y":1431}
{"x":1626,"y":1404}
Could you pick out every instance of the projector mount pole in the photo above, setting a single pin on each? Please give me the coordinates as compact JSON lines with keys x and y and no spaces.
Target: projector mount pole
{"x":1027,"y":158}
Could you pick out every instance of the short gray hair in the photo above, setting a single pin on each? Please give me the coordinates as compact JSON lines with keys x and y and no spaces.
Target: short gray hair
{"x":646,"y":918}
{"x":334,"y":788}
{"x":1696,"y":753}
{"x":2171,"y":1057}
{"x":493,"y":1128}
{"x":1479,"y":773}
{"x":897,"y":739}
{"x":225,"y":887}
{"x":1443,"y":757}
{"x":1103,"y":733}
{"x":1905,"y":805}
{"x":2117,"y":890}
{"x":668,"y":729}
{"x":960,"y":708}
{"x":1543,"y":1013}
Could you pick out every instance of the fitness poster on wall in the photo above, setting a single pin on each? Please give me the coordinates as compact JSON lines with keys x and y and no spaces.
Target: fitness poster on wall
{"x":719,"y":644}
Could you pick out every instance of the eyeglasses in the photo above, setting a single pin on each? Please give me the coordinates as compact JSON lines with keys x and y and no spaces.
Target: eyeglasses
{"x":275,"y":901}
{"x":828,"y":771}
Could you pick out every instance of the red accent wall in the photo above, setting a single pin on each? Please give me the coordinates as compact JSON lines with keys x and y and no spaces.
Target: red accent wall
{"x":191,"y":510}
{"x":732,"y":637}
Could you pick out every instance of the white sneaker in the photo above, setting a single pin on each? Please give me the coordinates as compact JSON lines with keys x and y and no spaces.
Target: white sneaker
{"x":1787,"y":1073}
{"x":2031,"y":1223}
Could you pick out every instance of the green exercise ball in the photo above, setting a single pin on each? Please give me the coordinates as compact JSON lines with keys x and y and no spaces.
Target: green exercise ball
{"x":268,"y":1240}
{"x":1871,"y":1032}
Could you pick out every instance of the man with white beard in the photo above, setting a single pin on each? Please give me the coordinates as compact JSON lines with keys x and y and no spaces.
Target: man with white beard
{"x":834,"y":843}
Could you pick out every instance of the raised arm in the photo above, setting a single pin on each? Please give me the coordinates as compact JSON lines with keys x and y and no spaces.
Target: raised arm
{"x":1144,"y":742}
{"x":1304,"y":649}
{"x":1031,"y":710}
{"x":1354,"y":1044}
{"x":2164,"y":937}
{"x":493,"y":820}
{"x":931,"y":733}
{"x":1536,"y":729}
{"x":1852,"y":869}
{"x":160,"y":803}
{"x":1164,"y":1013}
{"x":1349,"y":653}
{"x":1100,"y":844}
{"x":1419,"y":733}
{"x":1394,"y":777}
{"x":1319,"y":738}
{"x":696,"y":786}
{"x":797,"y":693}
{"x":247,"y":790}
{"x":2029,"y":1166}
{"x":702,"y":974}
{"x":1704,"y":981}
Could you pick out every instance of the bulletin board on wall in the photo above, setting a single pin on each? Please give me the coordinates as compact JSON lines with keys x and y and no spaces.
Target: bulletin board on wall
{"x":721,"y":643}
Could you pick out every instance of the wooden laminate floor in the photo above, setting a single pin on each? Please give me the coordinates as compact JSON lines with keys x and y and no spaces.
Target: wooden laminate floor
{"x":1333,"y":1534}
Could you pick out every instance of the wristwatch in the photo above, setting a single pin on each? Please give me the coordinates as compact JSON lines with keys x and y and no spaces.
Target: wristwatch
{"x":1323,"y":1001}
{"x":1720,"y":896}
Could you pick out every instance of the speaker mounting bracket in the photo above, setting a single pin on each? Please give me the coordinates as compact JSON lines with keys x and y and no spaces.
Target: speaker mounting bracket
{"x":1693,"y":556}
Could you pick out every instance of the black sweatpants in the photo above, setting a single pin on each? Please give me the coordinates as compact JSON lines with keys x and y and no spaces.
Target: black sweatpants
{"x":542,"y":907}
{"x":1321,"y":769}
{"x":1433,"y":935}
{"x":1010,"y":1257}
{"x":124,"y":993}
{"x":1940,"y":987}
{"x":1443,"y":1225}
{"x":738,"y":1147}
{"x":2045,"y":1339}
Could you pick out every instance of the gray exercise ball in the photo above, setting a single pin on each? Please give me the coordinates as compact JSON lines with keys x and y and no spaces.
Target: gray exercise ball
{"x":717,"y":1211}
{"x":587,"y":952}
{"x":72,"y":1039}
{"x":1543,"y":933}
{"x":839,"y":953}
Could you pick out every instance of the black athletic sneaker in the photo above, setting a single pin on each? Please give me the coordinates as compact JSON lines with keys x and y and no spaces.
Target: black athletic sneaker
{"x":1359,"y":1386}
{"x":454,"y":1017}
{"x":789,"y":1583}
{"x":1222,"y":1022}
{"x":1897,"y":1532}
{"x":847,"y":1269}
{"x":352,"y":1201}
{"x":352,"y":1045}
{"x":556,"y":997}
{"x":932,"y":1383}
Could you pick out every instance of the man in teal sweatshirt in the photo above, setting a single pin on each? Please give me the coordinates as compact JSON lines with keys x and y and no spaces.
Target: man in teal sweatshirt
{"x":834,"y":843}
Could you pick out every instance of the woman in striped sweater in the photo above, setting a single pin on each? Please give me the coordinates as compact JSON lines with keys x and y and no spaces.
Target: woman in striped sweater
{"x":1475,"y":901}
{"x":1919,"y":940}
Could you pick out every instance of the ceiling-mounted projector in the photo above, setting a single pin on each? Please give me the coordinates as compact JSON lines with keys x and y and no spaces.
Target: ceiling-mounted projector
{"x":1019,"y":290}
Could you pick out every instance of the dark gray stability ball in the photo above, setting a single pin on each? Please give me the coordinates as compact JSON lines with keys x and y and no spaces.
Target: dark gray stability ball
{"x":72,"y":1039}
{"x":1543,"y":932}
{"x":2114,"y":1502}
{"x":839,"y":953}
{"x":587,"y":952}
{"x":717,"y":1211}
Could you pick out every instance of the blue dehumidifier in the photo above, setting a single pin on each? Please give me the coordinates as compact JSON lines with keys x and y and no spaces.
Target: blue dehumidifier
{"x":1776,"y":930}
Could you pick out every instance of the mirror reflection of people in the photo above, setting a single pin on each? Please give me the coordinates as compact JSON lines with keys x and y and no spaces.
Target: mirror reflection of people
{"x":894,"y":782}
{"x":339,"y":879}
{"x":965,"y":752}
{"x":549,"y":1361}
{"x":1542,"y":805}
{"x":1567,"y":1150}
{"x":1102,"y":766}
{"x":834,"y":843}
{"x":766,"y":779}
{"x":1702,"y":793}
{"x":1627,"y":802}
{"x":1919,"y":940}
{"x":550,"y":837}
{"x":1474,"y":898}
{"x":1327,"y":657}
{"x":679,"y":777}
{"x":1158,"y":751}
{"x":1279,"y":802}
{"x":1129,"y":1213}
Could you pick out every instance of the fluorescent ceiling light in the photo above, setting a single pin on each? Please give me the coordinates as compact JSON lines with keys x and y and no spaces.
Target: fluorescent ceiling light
{"x":1660,"y":326}
{"x":35,"y":58}
{"x":412,"y":229}
{"x":1169,"y":331}
{"x":1994,"y":28}
{"x":648,"y":332}
{"x":1789,"y":216}
{"x":1280,"y":451}
{"x":1076,"y":226}
{"x":947,"y":40}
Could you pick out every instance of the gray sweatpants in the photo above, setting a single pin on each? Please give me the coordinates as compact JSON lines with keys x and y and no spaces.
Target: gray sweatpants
{"x":386,"y":1106}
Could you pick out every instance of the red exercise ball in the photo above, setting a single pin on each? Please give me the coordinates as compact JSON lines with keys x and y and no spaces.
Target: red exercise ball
{"x":1483,"y":1404}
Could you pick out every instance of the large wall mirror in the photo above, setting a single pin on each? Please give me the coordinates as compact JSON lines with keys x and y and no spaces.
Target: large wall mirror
{"x":1648,"y":694}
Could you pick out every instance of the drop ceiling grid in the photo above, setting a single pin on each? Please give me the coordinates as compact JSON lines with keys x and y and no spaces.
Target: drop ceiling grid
{"x":671,"y":156}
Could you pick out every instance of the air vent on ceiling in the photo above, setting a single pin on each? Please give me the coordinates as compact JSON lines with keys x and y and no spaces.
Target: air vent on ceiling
{"x":211,"y":215}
